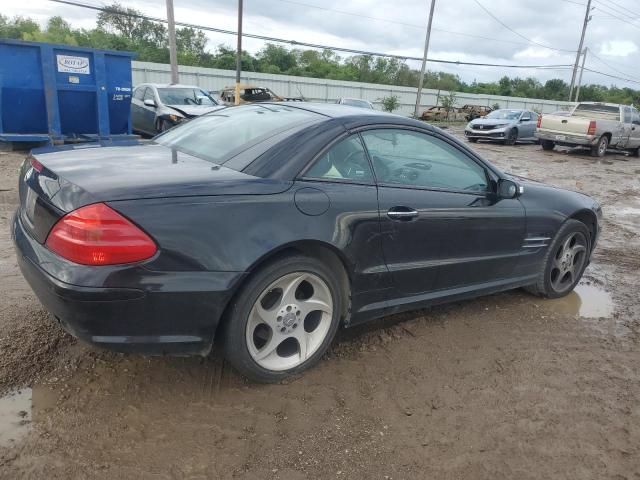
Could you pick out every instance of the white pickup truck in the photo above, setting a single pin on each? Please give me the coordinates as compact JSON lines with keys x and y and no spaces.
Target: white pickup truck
{"x":594,"y":125}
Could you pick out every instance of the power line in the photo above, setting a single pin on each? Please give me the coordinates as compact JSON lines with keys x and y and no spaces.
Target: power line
{"x":619,"y":8}
{"x":303,"y":44}
{"x":517,"y":33}
{"x":405,"y":24}
{"x":611,"y":76}
{"x":612,"y":68}
{"x":624,"y":20}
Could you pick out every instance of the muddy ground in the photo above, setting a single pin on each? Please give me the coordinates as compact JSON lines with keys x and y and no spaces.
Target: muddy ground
{"x":506,"y":386}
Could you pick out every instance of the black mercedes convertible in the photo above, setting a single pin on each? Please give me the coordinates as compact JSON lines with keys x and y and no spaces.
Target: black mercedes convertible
{"x":269,"y":226}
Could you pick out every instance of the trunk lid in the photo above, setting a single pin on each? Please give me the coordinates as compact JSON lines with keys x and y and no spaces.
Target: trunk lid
{"x":54,"y":181}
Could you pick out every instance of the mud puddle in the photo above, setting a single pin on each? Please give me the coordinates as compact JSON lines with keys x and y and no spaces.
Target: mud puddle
{"x":586,"y":301}
{"x":15,"y":416}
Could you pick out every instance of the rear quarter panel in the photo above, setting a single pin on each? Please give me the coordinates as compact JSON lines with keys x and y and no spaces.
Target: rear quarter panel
{"x":235,"y":233}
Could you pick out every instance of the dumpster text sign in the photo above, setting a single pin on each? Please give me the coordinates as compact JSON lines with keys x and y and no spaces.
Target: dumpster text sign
{"x":72,"y":64}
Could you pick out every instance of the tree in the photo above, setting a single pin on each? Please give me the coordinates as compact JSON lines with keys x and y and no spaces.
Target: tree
{"x":449,"y":102}
{"x":276,"y":56}
{"x":390,"y":103}
{"x":124,"y":28}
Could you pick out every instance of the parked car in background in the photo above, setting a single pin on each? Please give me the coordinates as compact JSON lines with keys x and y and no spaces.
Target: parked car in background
{"x":280,"y":223}
{"x":475,"y":111}
{"x":504,"y":125}
{"x":253,"y":94}
{"x":355,"y":102}
{"x":159,"y":107}
{"x":593,"y":125}
{"x":437,"y":114}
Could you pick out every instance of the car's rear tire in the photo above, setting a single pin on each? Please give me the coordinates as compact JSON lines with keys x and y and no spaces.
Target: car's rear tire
{"x":565,"y":261}
{"x":635,"y":152}
{"x":600,"y":149}
{"x":547,"y":145}
{"x":283,"y":319}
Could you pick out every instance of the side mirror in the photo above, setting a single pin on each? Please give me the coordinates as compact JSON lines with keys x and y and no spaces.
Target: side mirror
{"x":150,"y":102}
{"x":508,"y":188}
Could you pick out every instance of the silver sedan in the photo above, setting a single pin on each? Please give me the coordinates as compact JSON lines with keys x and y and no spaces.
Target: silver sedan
{"x":504,"y":125}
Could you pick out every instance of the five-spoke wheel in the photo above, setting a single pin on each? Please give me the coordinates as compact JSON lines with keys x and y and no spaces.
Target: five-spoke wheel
{"x":565,"y":261}
{"x":284,"y":317}
{"x":289,"y":321}
{"x":568,"y":262}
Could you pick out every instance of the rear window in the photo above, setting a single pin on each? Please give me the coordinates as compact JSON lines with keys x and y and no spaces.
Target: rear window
{"x":588,"y":110}
{"x":221,"y":135}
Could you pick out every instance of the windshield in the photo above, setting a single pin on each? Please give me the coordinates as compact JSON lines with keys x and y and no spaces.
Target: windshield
{"x":356,"y":103}
{"x":185,"y":96}
{"x":505,"y":114}
{"x":219,"y":136}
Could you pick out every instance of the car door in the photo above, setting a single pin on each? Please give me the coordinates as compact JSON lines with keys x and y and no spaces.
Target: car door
{"x":527,"y":124}
{"x":626,"y":129}
{"x":634,"y":139}
{"x":441,"y":224}
{"x":137,"y":108}
{"x":338,"y":188}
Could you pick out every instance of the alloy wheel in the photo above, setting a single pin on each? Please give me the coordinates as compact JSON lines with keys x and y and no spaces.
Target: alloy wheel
{"x":568,"y":262}
{"x":289,"y":321}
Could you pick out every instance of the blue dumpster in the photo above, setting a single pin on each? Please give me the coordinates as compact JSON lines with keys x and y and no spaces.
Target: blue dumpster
{"x":58,"y":93}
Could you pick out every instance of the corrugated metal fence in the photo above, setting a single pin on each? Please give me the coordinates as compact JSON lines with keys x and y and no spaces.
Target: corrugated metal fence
{"x":320,"y":90}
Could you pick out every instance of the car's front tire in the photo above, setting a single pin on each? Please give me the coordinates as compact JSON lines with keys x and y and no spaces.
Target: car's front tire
{"x":512,"y":137}
{"x":565,"y":261}
{"x":283,"y":319}
{"x":472,"y":139}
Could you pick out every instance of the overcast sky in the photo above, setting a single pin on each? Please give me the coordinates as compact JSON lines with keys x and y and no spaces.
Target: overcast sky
{"x":398,"y":27}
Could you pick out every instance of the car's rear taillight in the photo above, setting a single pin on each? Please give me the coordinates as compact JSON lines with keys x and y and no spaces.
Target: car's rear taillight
{"x":592,"y":128}
{"x":539,"y":121}
{"x":37,"y":166}
{"x":98,"y":235}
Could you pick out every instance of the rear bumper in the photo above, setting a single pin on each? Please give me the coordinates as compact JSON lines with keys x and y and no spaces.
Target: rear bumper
{"x":560,"y":138}
{"x":131,"y":309}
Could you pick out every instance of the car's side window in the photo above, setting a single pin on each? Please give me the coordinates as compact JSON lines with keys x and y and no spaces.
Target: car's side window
{"x":526,"y":116}
{"x":627,"y":115}
{"x":417,"y":159}
{"x":345,"y":160}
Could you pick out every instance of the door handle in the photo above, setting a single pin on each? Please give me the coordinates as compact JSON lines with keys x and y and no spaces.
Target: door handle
{"x":402,"y":213}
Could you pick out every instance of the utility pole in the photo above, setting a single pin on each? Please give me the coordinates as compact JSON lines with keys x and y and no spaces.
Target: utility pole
{"x":239,"y":54}
{"x":584,"y":59}
{"x":173,"y":56}
{"x":416,"y":112}
{"x":587,"y":17}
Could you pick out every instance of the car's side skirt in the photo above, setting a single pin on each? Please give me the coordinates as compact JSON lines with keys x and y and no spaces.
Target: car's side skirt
{"x":423,"y":300}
